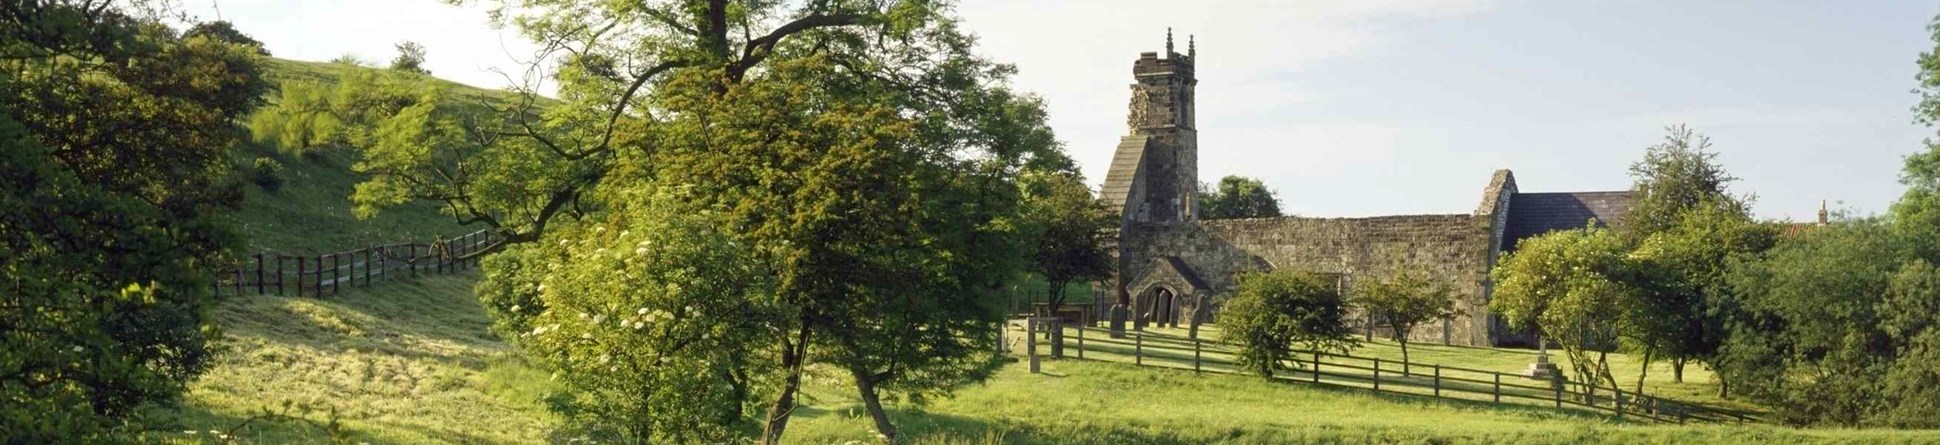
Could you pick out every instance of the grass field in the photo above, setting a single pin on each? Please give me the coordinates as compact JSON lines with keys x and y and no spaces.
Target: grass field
{"x":1092,"y":402}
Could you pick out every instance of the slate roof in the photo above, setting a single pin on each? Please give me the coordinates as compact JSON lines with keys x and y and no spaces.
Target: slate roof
{"x":1532,"y":214}
{"x":1185,"y":272}
{"x":1124,"y":169}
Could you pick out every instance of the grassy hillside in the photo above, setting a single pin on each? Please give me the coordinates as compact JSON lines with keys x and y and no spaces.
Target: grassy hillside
{"x":310,"y":213}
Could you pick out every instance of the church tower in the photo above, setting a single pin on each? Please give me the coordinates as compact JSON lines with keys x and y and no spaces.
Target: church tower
{"x":1154,"y":176}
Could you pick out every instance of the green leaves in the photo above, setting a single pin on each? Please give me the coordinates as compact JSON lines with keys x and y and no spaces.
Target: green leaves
{"x":645,"y":313}
{"x":1238,"y":197}
{"x":1274,"y":312}
{"x":114,"y":157}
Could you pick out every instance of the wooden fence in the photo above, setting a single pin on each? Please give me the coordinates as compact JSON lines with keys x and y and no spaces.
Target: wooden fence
{"x":1386,"y":376}
{"x":325,"y":275}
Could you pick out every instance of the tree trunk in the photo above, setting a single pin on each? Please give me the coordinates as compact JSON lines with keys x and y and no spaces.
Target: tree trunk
{"x":1645,"y":371}
{"x":1677,"y":370}
{"x":865,"y":384}
{"x":1406,"y":370}
{"x":793,"y":357}
{"x":1056,"y":334}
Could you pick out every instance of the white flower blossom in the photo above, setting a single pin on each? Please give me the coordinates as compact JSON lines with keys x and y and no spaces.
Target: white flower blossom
{"x":515,"y":308}
{"x":642,"y":311}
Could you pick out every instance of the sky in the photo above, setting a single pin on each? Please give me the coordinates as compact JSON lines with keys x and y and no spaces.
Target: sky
{"x":1380,"y":107}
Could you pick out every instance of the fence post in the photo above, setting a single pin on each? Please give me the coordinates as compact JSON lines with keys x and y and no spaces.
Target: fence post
{"x":336,"y":274}
{"x":1138,"y":348}
{"x":1030,"y":342}
{"x":1195,"y":354}
{"x":1438,"y":380}
{"x":239,"y":280}
{"x":259,"y":274}
{"x":300,"y":261}
{"x":1619,"y":401}
{"x":318,"y":282}
{"x":1680,"y":413}
{"x":1081,"y":340}
{"x":1498,"y":387}
{"x":1377,"y":375}
{"x":1316,"y":366}
{"x":279,"y":274}
{"x":1556,"y":382}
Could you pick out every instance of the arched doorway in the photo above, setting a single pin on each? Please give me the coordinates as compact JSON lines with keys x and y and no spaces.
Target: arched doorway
{"x":1159,"y":305}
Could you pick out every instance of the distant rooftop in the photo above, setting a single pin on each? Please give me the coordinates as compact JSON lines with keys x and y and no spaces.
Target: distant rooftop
{"x":1532,"y":214}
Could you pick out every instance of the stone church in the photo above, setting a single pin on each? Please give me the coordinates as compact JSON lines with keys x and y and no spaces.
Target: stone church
{"x":1173,"y":267}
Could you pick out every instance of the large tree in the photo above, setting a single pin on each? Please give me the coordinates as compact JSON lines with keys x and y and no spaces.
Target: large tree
{"x":1684,"y":225}
{"x":1237,"y":197}
{"x":857,"y":149}
{"x":117,"y":136}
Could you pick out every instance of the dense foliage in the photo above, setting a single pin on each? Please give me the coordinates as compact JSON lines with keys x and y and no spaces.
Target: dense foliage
{"x":1237,"y":197}
{"x":1836,"y":326}
{"x":116,"y":137}
{"x":646,"y":313}
{"x":1273,"y":313}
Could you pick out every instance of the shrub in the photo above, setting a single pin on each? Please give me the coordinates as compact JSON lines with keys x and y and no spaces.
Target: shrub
{"x":1276,"y":311}
{"x":268,"y":174}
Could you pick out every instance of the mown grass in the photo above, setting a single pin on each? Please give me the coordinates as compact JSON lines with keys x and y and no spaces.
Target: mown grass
{"x":1093,"y":402}
{"x":403,"y":362}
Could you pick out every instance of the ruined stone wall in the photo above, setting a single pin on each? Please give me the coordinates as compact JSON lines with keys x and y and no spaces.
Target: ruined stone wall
{"x":1452,"y":248}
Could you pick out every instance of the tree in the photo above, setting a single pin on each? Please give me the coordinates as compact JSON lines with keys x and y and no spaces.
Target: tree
{"x":1818,"y":329}
{"x":1683,"y":280}
{"x":1675,"y":176}
{"x":1272,"y":312}
{"x":1071,"y":228}
{"x":1917,"y":213}
{"x":223,"y":31}
{"x":1237,"y":197}
{"x":410,"y":58}
{"x":1574,"y":286}
{"x":857,"y":148}
{"x":1684,"y":225}
{"x":114,"y":162}
{"x":655,"y":326}
{"x":1404,"y":300}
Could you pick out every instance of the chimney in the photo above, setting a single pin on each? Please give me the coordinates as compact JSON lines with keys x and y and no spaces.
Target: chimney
{"x":1822,"y":212}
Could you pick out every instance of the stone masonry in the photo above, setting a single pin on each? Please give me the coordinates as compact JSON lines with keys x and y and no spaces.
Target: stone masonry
{"x":1174,"y":268}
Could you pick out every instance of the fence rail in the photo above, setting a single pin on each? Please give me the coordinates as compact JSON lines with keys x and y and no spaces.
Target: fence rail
{"x":1385,"y":376}
{"x":325,"y":275}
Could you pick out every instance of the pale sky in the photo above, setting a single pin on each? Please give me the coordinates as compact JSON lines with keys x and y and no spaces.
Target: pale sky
{"x":1374,"y":107}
